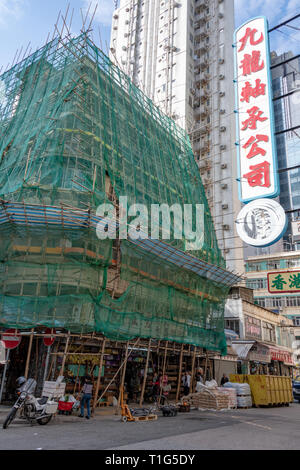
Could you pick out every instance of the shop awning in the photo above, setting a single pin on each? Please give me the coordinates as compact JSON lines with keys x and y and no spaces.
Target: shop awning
{"x":242,"y":348}
{"x":260,"y":352}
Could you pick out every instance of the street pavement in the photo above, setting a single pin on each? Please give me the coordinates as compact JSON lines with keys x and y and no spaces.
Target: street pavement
{"x":254,"y":428}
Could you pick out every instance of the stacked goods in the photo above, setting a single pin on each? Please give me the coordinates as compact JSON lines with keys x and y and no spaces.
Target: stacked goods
{"x":208,"y":399}
{"x":232,"y":396}
{"x":243,"y":392}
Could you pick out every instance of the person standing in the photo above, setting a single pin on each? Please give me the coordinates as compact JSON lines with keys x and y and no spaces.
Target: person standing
{"x":186,"y":380}
{"x":224,"y":380}
{"x":86,"y":397}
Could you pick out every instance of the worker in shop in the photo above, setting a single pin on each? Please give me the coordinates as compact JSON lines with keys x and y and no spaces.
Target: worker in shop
{"x":186,"y":380}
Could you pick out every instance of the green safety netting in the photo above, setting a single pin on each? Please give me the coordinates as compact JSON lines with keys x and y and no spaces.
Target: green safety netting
{"x":75,"y":133}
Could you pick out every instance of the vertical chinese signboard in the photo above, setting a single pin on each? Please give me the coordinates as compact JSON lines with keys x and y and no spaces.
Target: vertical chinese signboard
{"x":257,"y":159}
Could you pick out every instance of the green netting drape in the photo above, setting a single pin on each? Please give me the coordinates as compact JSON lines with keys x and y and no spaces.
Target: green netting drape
{"x":70,"y":121}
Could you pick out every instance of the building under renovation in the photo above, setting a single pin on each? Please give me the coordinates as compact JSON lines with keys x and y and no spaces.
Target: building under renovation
{"x":76,"y":133}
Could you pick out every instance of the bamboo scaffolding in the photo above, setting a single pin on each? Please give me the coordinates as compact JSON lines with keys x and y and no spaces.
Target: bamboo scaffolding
{"x":103,"y":393}
{"x":123,"y":376}
{"x":99,"y":376}
{"x":179,"y":373}
{"x":61,"y":372}
{"x":145,"y":373}
{"x":193,"y":371}
{"x":163,"y":372}
{"x":28,"y":354}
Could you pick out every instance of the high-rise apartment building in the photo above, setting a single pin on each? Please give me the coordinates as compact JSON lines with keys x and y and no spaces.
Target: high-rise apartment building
{"x":180,"y":54}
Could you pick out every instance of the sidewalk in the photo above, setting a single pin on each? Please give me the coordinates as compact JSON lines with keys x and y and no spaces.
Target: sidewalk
{"x":99,"y":413}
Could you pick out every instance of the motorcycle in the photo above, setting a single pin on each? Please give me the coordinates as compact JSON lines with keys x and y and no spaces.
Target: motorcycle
{"x":32,"y":409}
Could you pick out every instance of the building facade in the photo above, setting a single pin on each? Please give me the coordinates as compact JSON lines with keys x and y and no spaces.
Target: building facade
{"x":266,"y":339}
{"x":180,"y":55}
{"x":285,"y":254}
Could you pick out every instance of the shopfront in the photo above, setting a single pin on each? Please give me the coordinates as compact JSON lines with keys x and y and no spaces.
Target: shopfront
{"x":281,"y":362}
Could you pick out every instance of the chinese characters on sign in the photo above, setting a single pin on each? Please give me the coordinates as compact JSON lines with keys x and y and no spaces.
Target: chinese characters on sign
{"x":257,"y":159}
{"x":252,"y":327}
{"x":284,"y":281}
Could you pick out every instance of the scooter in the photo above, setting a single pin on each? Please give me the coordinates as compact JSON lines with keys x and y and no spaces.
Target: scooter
{"x":32,"y":409}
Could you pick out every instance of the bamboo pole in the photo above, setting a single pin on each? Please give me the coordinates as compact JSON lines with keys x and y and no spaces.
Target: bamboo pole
{"x":123,"y":376}
{"x":205,"y":370}
{"x":28,"y":354}
{"x":61,"y":372}
{"x":74,"y":390}
{"x":145,"y":374}
{"x":193,"y":371}
{"x":179,"y":374}
{"x":107,"y":387}
{"x":163,"y":371}
{"x":99,"y":376}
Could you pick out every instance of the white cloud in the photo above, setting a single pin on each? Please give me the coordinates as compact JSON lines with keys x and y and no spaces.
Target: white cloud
{"x":11,"y":9}
{"x":104,"y":11}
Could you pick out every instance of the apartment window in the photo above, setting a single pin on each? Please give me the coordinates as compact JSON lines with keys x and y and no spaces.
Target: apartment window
{"x":254,"y":267}
{"x":273,"y":264}
{"x":292,"y":301}
{"x":261,"y":301}
{"x":233,"y":325}
{"x":191,"y":38}
{"x":268,"y":332}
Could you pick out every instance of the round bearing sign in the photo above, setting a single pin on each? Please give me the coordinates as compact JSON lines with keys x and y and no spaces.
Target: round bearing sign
{"x":261,"y":222}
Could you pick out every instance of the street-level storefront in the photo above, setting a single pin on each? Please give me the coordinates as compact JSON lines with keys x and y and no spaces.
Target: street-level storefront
{"x":281,"y":362}
{"x":259,"y":358}
{"x":255,"y":357}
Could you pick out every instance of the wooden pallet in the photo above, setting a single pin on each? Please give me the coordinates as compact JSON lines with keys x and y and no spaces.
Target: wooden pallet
{"x":144,"y":418}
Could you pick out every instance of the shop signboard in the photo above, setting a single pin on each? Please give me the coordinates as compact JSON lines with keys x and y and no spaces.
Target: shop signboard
{"x":282,"y":356}
{"x":256,"y":147}
{"x":261,"y":222}
{"x":284,"y":281}
{"x":260,"y":353}
{"x":252,"y":327}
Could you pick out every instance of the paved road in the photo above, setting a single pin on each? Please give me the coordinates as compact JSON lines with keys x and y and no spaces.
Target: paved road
{"x":255,"y":428}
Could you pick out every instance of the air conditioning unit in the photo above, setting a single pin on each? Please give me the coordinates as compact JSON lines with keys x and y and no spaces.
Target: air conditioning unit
{"x":192,"y":91}
{"x":127,"y":22}
{"x":222,"y":147}
{"x":221,"y":61}
{"x":124,"y":48}
{"x":220,"y":15}
{"x":224,"y":186}
{"x":221,"y":77}
{"x":224,"y":207}
{"x":227,"y":250}
{"x":224,"y":166}
{"x":116,"y":16}
{"x":225,"y":227}
{"x":221,"y":94}
{"x":222,"y":129}
{"x":222,"y":111}
{"x":113,"y":50}
{"x":234,"y":296}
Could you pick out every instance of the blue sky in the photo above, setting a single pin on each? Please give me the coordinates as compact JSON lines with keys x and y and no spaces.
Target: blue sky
{"x":22,"y":21}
